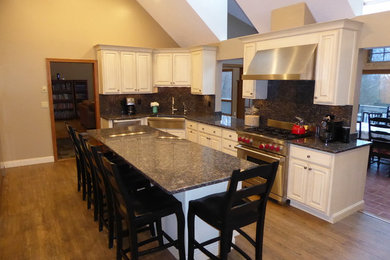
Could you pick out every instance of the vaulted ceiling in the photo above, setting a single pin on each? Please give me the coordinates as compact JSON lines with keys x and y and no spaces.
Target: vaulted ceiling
{"x":197,"y":22}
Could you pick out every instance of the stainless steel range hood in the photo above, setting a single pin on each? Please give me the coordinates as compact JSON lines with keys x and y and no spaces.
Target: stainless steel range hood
{"x":289,"y":63}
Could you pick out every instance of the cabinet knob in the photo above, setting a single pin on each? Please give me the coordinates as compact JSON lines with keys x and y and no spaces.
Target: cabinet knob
{"x":251,"y":94}
{"x":230,"y":145}
{"x":230,"y":136}
{"x":214,"y":132}
{"x":315,"y":97}
{"x":308,"y":156}
{"x":305,"y":167}
{"x":310,"y":169}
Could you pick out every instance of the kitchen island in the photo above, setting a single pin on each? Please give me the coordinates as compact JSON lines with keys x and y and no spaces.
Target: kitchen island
{"x":180,"y":167}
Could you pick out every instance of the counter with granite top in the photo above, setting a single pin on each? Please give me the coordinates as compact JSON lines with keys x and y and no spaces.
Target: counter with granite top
{"x":174,"y":164}
{"x":212,"y":119}
{"x":332,"y":147}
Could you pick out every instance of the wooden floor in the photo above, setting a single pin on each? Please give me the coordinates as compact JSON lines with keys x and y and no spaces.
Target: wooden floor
{"x":42,"y":216}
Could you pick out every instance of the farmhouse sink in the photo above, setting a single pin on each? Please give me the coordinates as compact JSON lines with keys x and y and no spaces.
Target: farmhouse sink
{"x":166,"y":122}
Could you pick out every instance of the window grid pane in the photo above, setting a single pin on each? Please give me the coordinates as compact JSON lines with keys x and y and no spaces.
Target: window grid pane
{"x":226,"y":107}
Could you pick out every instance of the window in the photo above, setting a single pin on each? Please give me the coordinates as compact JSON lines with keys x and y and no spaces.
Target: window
{"x":226,"y":92}
{"x":379,"y":54}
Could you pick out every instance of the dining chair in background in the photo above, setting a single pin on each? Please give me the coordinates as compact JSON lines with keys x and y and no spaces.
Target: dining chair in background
{"x":379,"y":135}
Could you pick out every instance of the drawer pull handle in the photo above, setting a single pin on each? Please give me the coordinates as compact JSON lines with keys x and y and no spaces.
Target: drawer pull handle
{"x":308,"y":156}
{"x":310,"y":169}
{"x":230,"y":135}
{"x":214,"y":132}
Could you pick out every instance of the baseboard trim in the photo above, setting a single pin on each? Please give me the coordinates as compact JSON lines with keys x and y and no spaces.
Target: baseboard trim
{"x":25,"y":162}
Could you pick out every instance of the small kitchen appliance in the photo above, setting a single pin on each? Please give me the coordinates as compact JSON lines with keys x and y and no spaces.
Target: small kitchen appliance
{"x":298,"y":128}
{"x":330,"y":130}
{"x":130,"y":104}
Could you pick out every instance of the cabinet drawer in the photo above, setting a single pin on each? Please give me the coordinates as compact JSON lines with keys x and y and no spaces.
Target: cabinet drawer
{"x":228,"y":134}
{"x":228,"y":144}
{"x":210,"y":129}
{"x":192,"y":125}
{"x":309,"y":155}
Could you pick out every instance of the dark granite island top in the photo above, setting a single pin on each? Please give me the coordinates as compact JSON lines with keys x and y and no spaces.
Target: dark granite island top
{"x":174,"y":164}
{"x":332,"y":147}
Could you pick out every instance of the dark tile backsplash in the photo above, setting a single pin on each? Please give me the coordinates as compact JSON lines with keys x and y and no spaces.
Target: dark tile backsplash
{"x":195,"y":104}
{"x":288,"y":99}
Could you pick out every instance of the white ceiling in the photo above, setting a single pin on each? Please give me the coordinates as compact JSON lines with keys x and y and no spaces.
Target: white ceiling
{"x":189,"y":25}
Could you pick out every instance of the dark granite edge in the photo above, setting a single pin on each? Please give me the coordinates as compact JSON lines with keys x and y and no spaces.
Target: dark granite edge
{"x":334,"y":147}
{"x":200,"y":185}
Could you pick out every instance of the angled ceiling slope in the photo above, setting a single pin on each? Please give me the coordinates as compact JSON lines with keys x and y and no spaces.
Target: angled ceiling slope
{"x":190,"y":22}
{"x":259,"y":12}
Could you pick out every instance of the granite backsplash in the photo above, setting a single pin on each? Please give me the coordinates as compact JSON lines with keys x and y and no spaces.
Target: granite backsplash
{"x":195,"y":104}
{"x":288,"y":99}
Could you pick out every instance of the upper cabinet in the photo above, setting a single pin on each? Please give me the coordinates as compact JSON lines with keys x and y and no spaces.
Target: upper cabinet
{"x":252,"y":89}
{"x":124,"y":69}
{"x":336,"y":59}
{"x":203,"y":63}
{"x":172,"y":68}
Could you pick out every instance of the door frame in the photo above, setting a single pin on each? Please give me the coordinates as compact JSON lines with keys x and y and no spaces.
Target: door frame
{"x":50,"y":92}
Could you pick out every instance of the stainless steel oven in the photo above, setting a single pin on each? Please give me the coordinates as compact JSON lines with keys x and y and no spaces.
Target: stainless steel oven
{"x":279,"y":189}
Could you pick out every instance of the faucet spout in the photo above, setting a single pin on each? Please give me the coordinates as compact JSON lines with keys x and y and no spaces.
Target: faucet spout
{"x":173,"y":109}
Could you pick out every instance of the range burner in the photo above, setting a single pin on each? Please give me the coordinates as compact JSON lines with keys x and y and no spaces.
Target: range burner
{"x":275,"y":133}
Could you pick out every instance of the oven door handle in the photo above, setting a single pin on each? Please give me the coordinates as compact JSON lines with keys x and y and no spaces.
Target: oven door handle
{"x":254,"y":151}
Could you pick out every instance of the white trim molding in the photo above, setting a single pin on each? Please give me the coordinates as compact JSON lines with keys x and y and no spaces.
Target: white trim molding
{"x":25,"y":162}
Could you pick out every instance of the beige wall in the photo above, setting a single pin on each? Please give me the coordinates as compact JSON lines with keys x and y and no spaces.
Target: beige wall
{"x":31,"y":31}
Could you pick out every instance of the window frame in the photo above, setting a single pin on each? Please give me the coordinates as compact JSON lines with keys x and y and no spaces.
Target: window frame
{"x":231,"y":93}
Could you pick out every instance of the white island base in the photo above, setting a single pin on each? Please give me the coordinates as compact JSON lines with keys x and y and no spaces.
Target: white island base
{"x":203,"y":231}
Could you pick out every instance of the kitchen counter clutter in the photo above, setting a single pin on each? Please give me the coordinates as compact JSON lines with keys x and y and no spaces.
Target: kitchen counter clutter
{"x":173,"y":163}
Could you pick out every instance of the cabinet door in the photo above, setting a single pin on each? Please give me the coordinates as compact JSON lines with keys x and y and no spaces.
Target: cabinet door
{"x":110,"y":71}
{"x":144,"y":72}
{"x":196,"y":65}
{"x":192,"y":135}
{"x":248,"y":86}
{"x":181,"y":70}
{"x":203,"y":139}
{"x":318,"y":187}
{"x":297,"y":180}
{"x":163,"y":69}
{"x":128,"y":72}
{"x":326,"y":68}
{"x":215,"y":143}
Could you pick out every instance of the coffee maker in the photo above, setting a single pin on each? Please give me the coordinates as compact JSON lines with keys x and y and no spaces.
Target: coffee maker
{"x":329,"y":129}
{"x":130,"y":105}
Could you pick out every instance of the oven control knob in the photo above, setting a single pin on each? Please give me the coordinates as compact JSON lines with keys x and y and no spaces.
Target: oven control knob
{"x":261,"y":146}
{"x":277,"y":148}
{"x":240,"y":139}
{"x":267,"y":146}
{"x":271,"y":147}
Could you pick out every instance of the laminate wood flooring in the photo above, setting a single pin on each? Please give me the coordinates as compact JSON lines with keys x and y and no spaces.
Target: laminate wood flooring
{"x":42,"y":216}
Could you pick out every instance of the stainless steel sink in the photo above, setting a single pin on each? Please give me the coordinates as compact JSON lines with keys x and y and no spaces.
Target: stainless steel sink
{"x":166,"y":122}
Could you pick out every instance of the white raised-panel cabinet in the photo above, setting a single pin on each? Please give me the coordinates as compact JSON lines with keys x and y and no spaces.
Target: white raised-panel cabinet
{"x":327,"y":185}
{"x":162,"y":69}
{"x":144,"y":72}
{"x":203,"y":64}
{"x":172,"y":68}
{"x":109,"y":71}
{"x":124,"y":69}
{"x":181,"y":70}
{"x":192,"y":131}
{"x":128,"y":72}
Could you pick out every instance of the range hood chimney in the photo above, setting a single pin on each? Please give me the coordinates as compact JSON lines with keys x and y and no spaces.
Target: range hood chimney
{"x":289,"y":63}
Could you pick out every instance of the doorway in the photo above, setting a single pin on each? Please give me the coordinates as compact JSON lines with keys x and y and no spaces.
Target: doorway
{"x":73,"y":99}
{"x":232,"y":103}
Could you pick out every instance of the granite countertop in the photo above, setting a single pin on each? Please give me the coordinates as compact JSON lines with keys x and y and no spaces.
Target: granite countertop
{"x":214,"y":119}
{"x":174,"y":164}
{"x":333,"y":147}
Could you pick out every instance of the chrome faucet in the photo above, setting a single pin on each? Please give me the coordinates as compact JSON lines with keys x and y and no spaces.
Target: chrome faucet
{"x":184,"y":109}
{"x":173,"y":109}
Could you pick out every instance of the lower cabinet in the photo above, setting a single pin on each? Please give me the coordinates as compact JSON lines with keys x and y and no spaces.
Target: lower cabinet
{"x":308,"y":184}
{"x":210,"y":141}
{"x":327,"y":185}
{"x":177,"y":132}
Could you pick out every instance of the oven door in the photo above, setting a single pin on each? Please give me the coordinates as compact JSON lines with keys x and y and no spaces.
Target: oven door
{"x":278,"y":191}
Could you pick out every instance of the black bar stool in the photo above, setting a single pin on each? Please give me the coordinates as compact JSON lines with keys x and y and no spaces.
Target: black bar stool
{"x":232,"y":210}
{"x":139,"y":209}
